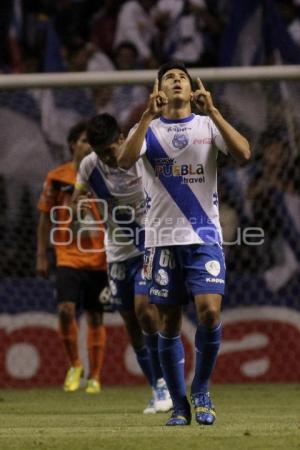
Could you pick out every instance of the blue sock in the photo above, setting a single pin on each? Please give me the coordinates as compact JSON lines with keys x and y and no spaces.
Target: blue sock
{"x":143,"y":358}
{"x":171,"y":354}
{"x":207,"y":343}
{"x":151,"y":341}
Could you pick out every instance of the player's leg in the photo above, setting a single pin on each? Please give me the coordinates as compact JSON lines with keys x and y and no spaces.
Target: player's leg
{"x":68,"y":290}
{"x":207,"y":344}
{"x":121,"y":285}
{"x":96,"y":343}
{"x":162,"y":271}
{"x":94,"y":282}
{"x":148,"y":318}
{"x":138,"y":343}
{"x":206,"y":277}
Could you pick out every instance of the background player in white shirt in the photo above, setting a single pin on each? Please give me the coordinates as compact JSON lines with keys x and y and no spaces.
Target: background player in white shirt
{"x":121,"y":200}
{"x":177,"y":155}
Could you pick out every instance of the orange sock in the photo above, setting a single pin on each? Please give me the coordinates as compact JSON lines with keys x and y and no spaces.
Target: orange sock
{"x":96,"y":341}
{"x":69,"y":335}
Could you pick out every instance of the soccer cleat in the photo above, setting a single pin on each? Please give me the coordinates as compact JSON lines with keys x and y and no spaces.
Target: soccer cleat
{"x":204,"y":409}
{"x":93,"y":386}
{"x":150,"y":408}
{"x":72,"y":380}
{"x":162,"y":398}
{"x":179,"y":418}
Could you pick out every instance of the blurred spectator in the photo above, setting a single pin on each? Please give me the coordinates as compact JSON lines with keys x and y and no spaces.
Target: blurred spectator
{"x":128,"y":97}
{"x":136,"y":25}
{"x":276,"y":209}
{"x":103,"y":26}
{"x":186,"y":31}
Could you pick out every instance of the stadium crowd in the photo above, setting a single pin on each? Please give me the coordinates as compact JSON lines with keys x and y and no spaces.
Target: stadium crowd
{"x":78,"y":35}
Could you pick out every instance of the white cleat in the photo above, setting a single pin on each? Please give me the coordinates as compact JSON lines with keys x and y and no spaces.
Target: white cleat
{"x":150,"y":408}
{"x":162,"y":398}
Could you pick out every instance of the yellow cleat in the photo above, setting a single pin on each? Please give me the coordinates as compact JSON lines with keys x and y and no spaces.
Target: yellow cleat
{"x":93,"y":386}
{"x":72,"y":380}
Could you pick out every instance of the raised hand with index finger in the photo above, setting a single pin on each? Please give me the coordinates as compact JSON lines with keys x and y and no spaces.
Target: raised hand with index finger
{"x":202,"y":99}
{"x":157,"y":100}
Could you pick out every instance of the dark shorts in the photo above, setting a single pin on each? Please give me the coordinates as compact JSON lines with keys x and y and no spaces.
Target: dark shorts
{"x":126,"y":280}
{"x":175,"y":271}
{"x":80,"y":286}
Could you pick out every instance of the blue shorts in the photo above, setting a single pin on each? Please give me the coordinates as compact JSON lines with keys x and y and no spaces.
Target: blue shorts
{"x":176,"y":272}
{"x":126,"y":280}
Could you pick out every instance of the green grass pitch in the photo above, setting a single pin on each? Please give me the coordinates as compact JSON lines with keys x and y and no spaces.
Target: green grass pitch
{"x":256,"y":416}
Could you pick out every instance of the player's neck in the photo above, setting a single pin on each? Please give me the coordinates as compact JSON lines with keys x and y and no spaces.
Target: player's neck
{"x":172,"y":112}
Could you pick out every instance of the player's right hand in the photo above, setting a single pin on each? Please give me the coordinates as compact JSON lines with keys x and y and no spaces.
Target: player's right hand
{"x":42,"y":266}
{"x":157,"y":100}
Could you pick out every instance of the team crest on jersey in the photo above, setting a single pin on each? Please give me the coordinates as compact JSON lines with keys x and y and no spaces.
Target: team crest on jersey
{"x":213,"y":267}
{"x":180,"y":141}
{"x":161,"y":277}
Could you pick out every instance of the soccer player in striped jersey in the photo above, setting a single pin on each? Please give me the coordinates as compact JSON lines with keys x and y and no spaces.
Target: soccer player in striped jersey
{"x":120,"y":198}
{"x":177,"y":153}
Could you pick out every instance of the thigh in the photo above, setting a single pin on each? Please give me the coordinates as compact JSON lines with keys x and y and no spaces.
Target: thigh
{"x":204,"y":269}
{"x":121,"y":283}
{"x":68,"y":285}
{"x":164,"y":276}
{"x":95,"y":281}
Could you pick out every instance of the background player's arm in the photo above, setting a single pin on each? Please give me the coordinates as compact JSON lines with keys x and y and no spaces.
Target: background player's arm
{"x":130,"y":151}
{"x":238,"y":146}
{"x":43,"y":233}
{"x":79,"y":195}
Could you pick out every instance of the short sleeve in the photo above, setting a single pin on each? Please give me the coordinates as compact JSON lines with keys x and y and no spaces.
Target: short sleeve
{"x":48,"y":196}
{"x":218,"y":140}
{"x":81,"y":177}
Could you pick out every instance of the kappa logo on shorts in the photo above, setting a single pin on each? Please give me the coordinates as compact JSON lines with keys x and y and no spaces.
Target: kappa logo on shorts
{"x":213,"y":267}
{"x":161,"y":277}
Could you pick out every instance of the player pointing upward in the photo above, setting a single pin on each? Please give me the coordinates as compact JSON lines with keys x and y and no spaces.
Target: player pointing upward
{"x":177,"y":154}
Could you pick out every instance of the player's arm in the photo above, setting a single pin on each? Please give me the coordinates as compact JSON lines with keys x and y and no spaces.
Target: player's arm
{"x":130,"y":151}
{"x":78,"y":198}
{"x":238,"y":146}
{"x":43,"y":233}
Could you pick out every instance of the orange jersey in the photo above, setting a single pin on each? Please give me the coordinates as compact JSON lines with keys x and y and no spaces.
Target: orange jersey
{"x":74,"y":246}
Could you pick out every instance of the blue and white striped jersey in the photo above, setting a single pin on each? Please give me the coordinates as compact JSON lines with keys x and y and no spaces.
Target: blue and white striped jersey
{"x":178,"y":166}
{"x":121,"y":201}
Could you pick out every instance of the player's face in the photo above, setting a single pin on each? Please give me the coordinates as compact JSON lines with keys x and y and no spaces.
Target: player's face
{"x":108,"y":153}
{"x":81,"y":147}
{"x":176,"y":85}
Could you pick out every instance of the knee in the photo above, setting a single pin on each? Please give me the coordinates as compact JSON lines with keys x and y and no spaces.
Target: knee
{"x":94,"y":318}
{"x":144,"y":316}
{"x":66,"y":312}
{"x":170,"y":322}
{"x":210,"y":316}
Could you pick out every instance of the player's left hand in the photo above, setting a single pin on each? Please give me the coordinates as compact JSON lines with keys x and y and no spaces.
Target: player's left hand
{"x":202,"y":99}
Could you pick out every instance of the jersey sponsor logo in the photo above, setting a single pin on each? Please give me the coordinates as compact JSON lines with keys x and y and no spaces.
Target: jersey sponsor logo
{"x":180,"y":141}
{"x":159,"y":292}
{"x":178,"y":129}
{"x":201,"y":141}
{"x":161,"y":277}
{"x":171,"y":169}
{"x":213,"y":267}
{"x":214,"y":280}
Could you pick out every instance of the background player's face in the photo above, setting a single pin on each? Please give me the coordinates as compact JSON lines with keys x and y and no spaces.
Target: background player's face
{"x":81,"y":147}
{"x":108,"y":153}
{"x":176,"y":85}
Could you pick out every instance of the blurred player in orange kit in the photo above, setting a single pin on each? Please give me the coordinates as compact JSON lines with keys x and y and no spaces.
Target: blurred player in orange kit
{"x":81,"y":264}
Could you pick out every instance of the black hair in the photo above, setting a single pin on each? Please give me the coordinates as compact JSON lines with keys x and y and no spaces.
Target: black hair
{"x":126,"y":44}
{"x":172,"y":65}
{"x":75,"y":132}
{"x":102,"y":130}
